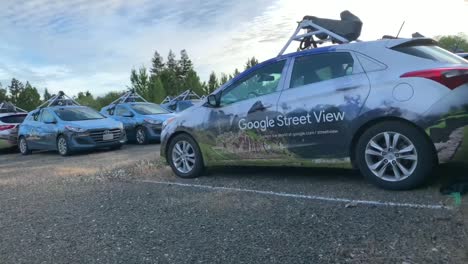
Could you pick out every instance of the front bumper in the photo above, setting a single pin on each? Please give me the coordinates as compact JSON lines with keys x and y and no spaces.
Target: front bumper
{"x":94,"y":140}
{"x":154,"y":132}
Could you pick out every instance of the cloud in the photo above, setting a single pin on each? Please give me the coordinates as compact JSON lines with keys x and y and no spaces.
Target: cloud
{"x":79,"y":45}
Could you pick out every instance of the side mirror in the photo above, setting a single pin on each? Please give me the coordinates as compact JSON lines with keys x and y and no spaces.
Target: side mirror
{"x":213,"y":100}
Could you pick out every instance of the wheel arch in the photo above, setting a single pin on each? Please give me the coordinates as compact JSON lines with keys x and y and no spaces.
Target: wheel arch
{"x":366,"y":125}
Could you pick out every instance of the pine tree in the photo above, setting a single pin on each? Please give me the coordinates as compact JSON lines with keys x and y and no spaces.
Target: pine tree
{"x":192,"y":82}
{"x":251,"y":62}
{"x":156,"y":91}
{"x":46,"y":95}
{"x":185,"y":64}
{"x":3,"y":94}
{"x":28,"y":98}
{"x":236,"y":72}
{"x":157,"y":64}
{"x":15,"y":88}
{"x":224,"y":79}
{"x":212,"y":83}
{"x":87,"y":99}
{"x":172,"y":64}
{"x":140,"y":81}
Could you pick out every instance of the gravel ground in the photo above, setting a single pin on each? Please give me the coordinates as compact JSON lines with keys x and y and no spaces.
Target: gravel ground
{"x":125,"y":212}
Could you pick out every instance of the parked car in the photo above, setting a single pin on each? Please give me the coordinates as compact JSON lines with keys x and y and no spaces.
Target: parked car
{"x":67,"y":129}
{"x":9,"y":123}
{"x":142,"y":120}
{"x":393,"y":108}
{"x":463,"y":55}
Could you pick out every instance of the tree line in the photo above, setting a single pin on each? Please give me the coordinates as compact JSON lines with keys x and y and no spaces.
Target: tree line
{"x":164,"y":77}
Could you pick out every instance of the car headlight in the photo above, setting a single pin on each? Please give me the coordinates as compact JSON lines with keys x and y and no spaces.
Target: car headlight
{"x":153,"y":122}
{"x":75,"y":129}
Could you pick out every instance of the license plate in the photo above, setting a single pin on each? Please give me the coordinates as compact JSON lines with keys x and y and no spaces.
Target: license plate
{"x":108,"y":137}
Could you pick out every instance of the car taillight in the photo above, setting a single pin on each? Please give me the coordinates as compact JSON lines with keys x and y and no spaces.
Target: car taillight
{"x":450,"y":77}
{"x":6,"y":127}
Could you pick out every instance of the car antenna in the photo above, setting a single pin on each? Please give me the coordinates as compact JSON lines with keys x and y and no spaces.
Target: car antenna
{"x":401,"y":27}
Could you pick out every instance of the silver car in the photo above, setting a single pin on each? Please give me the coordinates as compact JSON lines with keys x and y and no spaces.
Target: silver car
{"x":9,"y":123}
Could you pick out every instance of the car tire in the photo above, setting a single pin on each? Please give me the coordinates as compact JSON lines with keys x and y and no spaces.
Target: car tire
{"x":395,"y":155}
{"x":23,"y":146}
{"x":184,"y":148}
{"x":63,"y":146}
{"x":141,"y":136}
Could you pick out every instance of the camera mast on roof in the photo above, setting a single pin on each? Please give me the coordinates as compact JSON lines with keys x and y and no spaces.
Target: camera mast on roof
{"x":187,"y":95}
{"x":326,"y":30}
{"x":61,"y":99}
{"x":8,"y":107}
{"x":129,"y":97}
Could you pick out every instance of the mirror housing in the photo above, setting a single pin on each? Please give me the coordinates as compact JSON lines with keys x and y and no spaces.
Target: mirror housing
{"x":213,"y":100}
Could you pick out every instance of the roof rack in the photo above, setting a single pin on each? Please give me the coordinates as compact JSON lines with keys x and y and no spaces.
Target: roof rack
{"x":326,"y":30}
{"x":61,"y":99}
{"x":8,"y":107}
{"x":187,"y":95}
{"x":130,"y":96}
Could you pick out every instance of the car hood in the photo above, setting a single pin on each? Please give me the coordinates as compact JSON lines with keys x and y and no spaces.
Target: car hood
{"x":106,"y":123}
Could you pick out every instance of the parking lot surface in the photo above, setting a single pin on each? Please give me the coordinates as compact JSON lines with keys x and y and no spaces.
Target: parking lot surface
{"x":231,"y":215}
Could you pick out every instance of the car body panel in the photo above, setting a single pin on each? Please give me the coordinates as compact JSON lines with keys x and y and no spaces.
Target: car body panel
{"x":326,"y":117}
{"x":9,"y":137}
{"x":42,"y":135}
{"x":131,"y":123}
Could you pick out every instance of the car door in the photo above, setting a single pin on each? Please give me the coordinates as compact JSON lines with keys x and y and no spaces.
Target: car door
{"x":124,"y":115}
{"x":47,"y":131}
{"x":325,"y":93}
{"x":240,"y":123}
{"x":31,"y":126}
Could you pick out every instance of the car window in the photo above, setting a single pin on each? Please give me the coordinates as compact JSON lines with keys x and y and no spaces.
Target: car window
{"x":121,"y":110}
{"x":148,"y":109}
{"x":430,"y":52}
{"x":46,"y":116}
{"x":78,"y":114}
{"x":260,"y":82}
{"x":321,"y":67}
{"x":13,"y":119}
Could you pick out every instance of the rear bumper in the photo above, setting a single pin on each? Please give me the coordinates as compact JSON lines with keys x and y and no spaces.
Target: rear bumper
{"x":447,"y":126}
{"x":6,"y":143}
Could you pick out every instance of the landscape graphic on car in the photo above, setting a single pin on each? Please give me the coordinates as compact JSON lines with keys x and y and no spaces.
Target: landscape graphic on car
{"x":391,"y":107}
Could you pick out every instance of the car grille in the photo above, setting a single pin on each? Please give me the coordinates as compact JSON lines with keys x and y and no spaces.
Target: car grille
{"x":97,"y":135}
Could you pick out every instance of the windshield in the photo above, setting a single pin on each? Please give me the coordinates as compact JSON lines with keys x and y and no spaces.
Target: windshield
{"x":431,"y":52}
{"x":77,"y":114}
{"x":148,"y":109}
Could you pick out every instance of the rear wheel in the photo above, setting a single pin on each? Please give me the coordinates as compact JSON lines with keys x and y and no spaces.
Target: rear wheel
{"x":395,"y":155}
{"x":62,"y":146}
{"x":184,"y":157}
{"x":23,"y":146}
{"x":141,"y":136}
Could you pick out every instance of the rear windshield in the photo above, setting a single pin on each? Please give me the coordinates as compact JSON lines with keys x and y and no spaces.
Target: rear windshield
{"x":78,"y":114}
{"x":13,"y":119}
{"x":431,"y":52}
{"x":148,"y":109}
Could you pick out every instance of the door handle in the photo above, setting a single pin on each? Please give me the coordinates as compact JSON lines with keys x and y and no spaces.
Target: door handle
{"x":347,"y":88}
{"x":259,"y":106}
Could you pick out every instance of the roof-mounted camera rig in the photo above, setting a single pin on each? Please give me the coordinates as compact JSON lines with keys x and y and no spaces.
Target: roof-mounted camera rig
{"x":8,"y":107}
{"x":184,"y":96}
{"x":325,"y":30}
{"x":60,"y":99}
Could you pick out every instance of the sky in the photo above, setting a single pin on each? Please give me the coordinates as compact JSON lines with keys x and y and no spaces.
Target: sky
{"x":80,"y":45}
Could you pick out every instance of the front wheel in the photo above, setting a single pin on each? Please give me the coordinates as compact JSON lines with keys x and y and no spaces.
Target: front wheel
{"x":23,"y":146}
{"x":184,"y":157}
{"x":141,"y":136}
{"x":395,"y":155}
{"x":62,"y":146}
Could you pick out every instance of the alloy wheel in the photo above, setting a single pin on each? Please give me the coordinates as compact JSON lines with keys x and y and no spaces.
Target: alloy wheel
{"x":391,"y":156}
{"x":183,"y":156}
{"x":62,"y":146}
{"x":140,"y":136}
{"x":23,"y":145}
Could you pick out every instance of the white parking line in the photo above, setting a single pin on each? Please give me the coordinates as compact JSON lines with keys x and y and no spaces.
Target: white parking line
{"x":302,"y":196}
